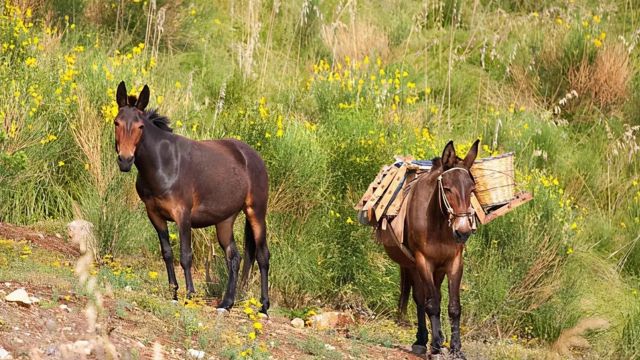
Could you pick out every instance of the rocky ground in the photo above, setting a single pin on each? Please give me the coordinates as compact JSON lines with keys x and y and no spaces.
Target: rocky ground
{"x":136,"y":319}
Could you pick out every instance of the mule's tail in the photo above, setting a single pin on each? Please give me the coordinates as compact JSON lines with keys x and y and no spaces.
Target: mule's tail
{"x":249,"y":254}
{"x":405,"y":291}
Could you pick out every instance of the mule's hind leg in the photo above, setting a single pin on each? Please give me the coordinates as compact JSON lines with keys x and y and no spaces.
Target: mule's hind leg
{"x":256,"y":219}
{"x":224,"y":231}
{"x":249,"y":254}
{"x":405,"y":291}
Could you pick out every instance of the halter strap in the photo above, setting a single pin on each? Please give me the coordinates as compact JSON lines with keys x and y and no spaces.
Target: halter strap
{"x":443,"y":199}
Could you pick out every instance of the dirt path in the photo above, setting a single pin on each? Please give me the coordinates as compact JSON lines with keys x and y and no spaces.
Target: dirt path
{"x":137,"y":314}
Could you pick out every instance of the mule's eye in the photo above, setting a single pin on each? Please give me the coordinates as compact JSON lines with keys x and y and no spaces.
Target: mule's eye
{"x":141,"y":126}
{"x":116,"y":123}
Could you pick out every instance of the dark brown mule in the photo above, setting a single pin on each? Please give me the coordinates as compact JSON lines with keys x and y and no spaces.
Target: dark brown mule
{"x":439,"y":221}
{"x":195,"y":184}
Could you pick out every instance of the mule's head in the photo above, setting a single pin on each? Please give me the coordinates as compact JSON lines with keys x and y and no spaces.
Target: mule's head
{"x":455,"y":186}
{"x":129,"y":124}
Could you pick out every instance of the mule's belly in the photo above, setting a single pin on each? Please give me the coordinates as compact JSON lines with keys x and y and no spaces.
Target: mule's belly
{"x":398,"y":256}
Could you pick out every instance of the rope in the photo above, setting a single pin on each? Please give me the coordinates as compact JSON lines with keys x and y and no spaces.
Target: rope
{"x":443,"y":199}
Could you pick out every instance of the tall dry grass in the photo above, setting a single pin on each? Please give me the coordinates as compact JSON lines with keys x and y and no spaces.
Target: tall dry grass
{"x":606,"y":80}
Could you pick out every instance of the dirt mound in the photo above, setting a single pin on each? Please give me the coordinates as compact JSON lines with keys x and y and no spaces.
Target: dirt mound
{"x":45,"y":241}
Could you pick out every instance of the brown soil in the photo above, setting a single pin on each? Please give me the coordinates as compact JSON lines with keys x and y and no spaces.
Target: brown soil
{"x":44,"y":241}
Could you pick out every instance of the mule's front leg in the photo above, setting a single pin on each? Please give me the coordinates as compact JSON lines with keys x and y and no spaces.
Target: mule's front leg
{"x":186,"y":252}
{"x":455,"y":277}
{"x":420,"y":346}
{"x":167,"y":253}
{"x":426,"y":271}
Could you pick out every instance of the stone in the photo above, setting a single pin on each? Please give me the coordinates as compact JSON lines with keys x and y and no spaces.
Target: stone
{"x":330,"y":320}
{"x":52,"y":350}
{"x":80,"y":233}
{"x":51,"y":325}
{"x":329,"y":347}
{"x":20,"y":296}
{"x":82,"y":347}
{"x":222,"y":311}
{"x":64,"y":307}
{"x":196,"y":354}
{"x":297,"y":323}
{"x":4,"y":354}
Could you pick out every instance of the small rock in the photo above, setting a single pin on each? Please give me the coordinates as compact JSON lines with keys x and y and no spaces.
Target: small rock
{"x":222,"y":311}
{"x":20,"y":296}
{"x":82,"y":347}
{"x":64,"y":307}
{"x":128,"y":288}
{"x":34,"y":300}
{"x":329,"y":347}
{"x":52,"y":350}
{"x":174,"y":302}
{"x":297,"y":323}
{"x":196,"y":354}
{"x":330,"y":320}
{"x":4,"y":354}
{"x":51,"y":325}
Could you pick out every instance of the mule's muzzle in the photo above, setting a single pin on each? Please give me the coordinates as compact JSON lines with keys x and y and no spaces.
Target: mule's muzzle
{"x":125,"y":163}
{"x":461,"y":237}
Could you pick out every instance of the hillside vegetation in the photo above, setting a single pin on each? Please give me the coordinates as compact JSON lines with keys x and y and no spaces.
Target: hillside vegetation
{"x":328,"y":92}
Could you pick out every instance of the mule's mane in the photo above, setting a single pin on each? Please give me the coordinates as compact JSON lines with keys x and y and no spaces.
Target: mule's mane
{"x":158,"y":120}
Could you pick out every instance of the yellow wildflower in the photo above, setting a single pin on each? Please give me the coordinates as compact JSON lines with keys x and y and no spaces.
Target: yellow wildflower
{"x":30,"y":61}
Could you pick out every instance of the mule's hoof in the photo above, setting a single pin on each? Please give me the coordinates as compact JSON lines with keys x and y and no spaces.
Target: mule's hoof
{"x":222,"y":311}
{"x":418,"y":349}
{"x":225,"y":305}
{"x":458,"y":355}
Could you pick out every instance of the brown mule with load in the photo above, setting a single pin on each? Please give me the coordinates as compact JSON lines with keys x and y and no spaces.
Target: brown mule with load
{"x":423,"y":213}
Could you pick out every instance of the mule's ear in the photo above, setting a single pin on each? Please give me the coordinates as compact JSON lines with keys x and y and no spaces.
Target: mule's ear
{"x":449,"y":156}
{"x":121,"y":95}
{"x":471,"y":155}
{"x":143,"y":99}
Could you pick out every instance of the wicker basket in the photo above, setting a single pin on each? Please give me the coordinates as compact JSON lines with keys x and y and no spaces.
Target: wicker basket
{"x":495,"y":180}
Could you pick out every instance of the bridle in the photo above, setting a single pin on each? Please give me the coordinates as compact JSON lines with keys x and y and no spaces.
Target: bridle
{"x":442,"y":199}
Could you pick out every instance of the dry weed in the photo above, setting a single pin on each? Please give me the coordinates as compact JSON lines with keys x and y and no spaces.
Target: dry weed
{"x":606,"y":80}
{"x":355,"y":40}
{"x":573,"y":338}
